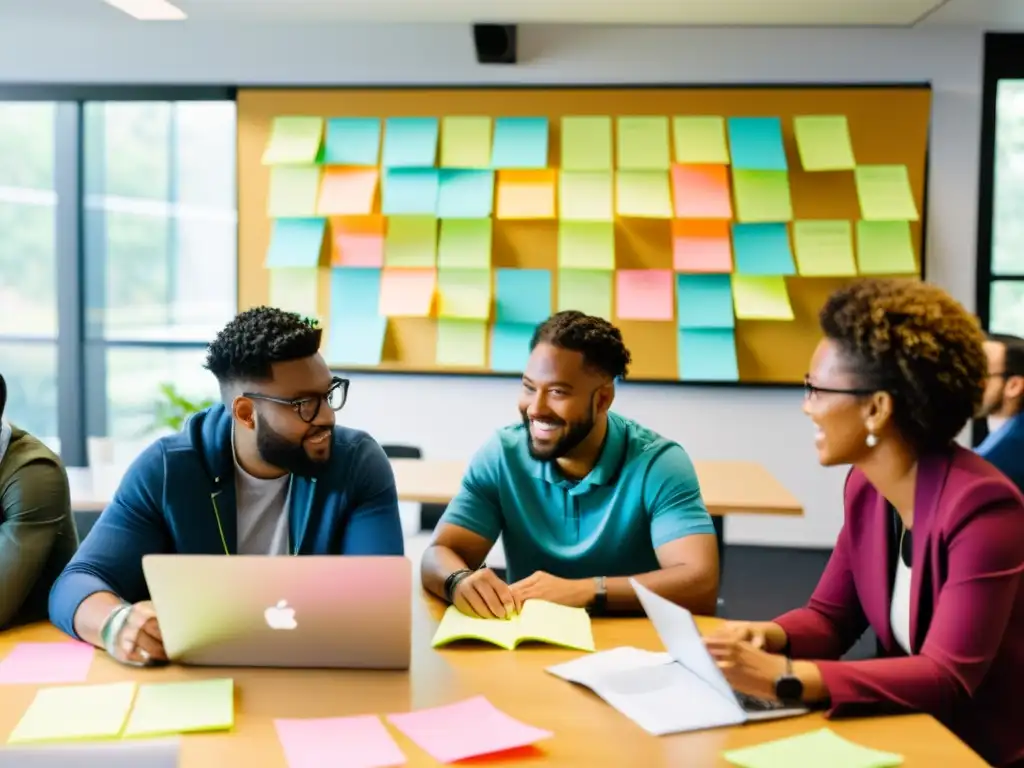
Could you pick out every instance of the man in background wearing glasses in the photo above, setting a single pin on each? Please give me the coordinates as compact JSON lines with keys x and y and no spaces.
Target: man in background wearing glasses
{"x":265,"y":473}
{"x":1003,"y":406}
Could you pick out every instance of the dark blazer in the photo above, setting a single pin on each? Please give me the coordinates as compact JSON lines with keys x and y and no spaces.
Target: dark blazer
{"x":967,"y":606}
{"x":1004,"y":448}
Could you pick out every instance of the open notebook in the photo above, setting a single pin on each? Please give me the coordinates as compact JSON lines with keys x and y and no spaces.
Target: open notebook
{"x":539,"y":621}
{"x":682,"y":690}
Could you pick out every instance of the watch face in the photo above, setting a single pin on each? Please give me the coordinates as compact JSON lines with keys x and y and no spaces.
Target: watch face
{"x":789,"y":689}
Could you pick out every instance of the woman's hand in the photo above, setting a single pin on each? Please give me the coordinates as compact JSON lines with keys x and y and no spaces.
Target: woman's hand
{"x":762,"y":635}
{"x":748,"y":668}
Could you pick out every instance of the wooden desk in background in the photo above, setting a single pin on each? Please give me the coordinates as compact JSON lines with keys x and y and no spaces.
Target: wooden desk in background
{"x":586,"y":730}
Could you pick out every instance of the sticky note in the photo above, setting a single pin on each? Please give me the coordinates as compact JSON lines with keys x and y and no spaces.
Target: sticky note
{"x":510,"y":346}
{"x":644,"y":294}
{"x":411,"y":242}
{"x":810,"y":750}
{"x":701,"y":192}
{"x":762,"y":249}
{"x":704,"y":301}
{"x":520,"y":142}
{"x":465,"y":194}
{"x":466,"y":729}
{"x":352,"y":141}
{"x":407,"y":292}
{"x":885,"y":248}
{"x":461,"y":343}
{"x":185,"y":707}
{"x":465,"y":142}
{"x":46,"y":663}
{"x":465,"y":243}
{"x":643,"y":194}
{"x":522,"y":296}
{"x":350,"y":191}
{"x":701,"y":245}
{"x":824,"y":248}
{"x":761,"y":297}
{"x":586,"y":290}
{"x":74,"y":712}
{"x":586,"y":244}
{"x":884,"y":193}
{"x":293,"y":190}
{"x":464,"y":293}
{"x":824,"y":142}
{"x":643,"y":143}
{"x":587,"y":143}
{"x":357,"y":742}
{"x":585,"y":196}
{"x":700,"y":139}
{"x":410,"y":142}
{"x":358,"y":241}
{"x":755,"y":144}
{"x":355,"y":292}
{"x":294,"y":140}
{"x":762,"y":196}
{"x":295,"y":243}
{"x":356,"y":340}
{"x":526,"y":194}
{"x":295,"y":289}
{"x":707,"y":354}
{"x":409,"y":191}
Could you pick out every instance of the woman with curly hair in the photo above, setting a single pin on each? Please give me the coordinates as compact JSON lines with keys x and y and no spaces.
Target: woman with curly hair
{"x":931,"y":553}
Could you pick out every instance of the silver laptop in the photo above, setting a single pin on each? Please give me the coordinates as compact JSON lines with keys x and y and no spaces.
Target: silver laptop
{"x":339,"y":612}
{"x":162,"y":753}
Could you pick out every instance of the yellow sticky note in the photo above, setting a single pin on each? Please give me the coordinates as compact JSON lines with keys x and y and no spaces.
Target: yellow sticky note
{"x":824,"y":248}
{"x":586,"y":245}
{"x":464,"y":293}
{"x":411,"y":241}
{"x":587,"y":143}
{"x":539,"y":621}
{"x":761,"y":297}
{"x":814,"y":748}
{"x":75,"y":712}
{"x":884,"y":193}
{"x":162,"y":709}
{"x":465,"y":142}
{"x":293,"y":190}
{"x":465,"y":243}
{"x":700,"y":140}
{"x":294,"y":289}
{"x":885,"y":248}
{"x":824,"y":142}
{"x":762,"y":196}
{"x":585,"y":196}
{"x":461,"y":343}
{"x":293,"y":140}
{"x":586,"y":290}
{"x":643,"y":194}
{"x":526,"y":194}
{"x":643,"y":143}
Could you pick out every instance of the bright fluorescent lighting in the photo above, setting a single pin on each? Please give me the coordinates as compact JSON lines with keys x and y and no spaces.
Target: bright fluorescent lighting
{"x":149,"y":10}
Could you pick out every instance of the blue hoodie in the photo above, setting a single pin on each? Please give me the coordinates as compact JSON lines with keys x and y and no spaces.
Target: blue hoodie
{"x":167,"y":501}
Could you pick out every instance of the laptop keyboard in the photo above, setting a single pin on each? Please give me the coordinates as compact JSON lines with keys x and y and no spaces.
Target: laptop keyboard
{"x":754,"y":704}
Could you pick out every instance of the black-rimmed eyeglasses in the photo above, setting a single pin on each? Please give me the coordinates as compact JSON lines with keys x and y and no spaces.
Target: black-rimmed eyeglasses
{"x":309,"y":407}
{"x":812,"y":389}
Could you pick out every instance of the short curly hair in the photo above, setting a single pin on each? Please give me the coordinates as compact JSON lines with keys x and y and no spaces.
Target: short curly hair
{"x":913,"y":340}
{"x":595,"y":338}
{"x":247,"y":346}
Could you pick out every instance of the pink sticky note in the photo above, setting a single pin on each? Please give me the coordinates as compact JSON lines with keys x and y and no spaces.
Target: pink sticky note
{"x":644,"y":294}
{"x":466,"y":729}
{"x":358,"y":241}
{"x":701,"y":192}
{"x":342,"y":742}
{"x":46,"y":663}
{"x":701,"y":245}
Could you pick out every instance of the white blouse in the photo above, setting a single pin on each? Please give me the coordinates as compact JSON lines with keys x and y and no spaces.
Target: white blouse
{"x":899,"y":610}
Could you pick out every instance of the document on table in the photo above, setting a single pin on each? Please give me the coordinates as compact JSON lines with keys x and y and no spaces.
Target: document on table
{"x":539,"y":621}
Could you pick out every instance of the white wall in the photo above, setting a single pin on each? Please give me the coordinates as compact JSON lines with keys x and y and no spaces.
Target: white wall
{"x":449,"y":417}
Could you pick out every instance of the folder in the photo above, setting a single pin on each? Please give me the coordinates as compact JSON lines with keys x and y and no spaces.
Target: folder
{"x":539,"y":621}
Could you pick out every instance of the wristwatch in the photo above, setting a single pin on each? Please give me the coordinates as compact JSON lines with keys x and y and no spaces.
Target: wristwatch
{"x":789,"y":689}
{"x":600,"y":595}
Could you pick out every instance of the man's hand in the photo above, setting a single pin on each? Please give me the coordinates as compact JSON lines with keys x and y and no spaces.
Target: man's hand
{"x":140,"y":641}
{"x":484,"y":595}
{"x":578,"y":593}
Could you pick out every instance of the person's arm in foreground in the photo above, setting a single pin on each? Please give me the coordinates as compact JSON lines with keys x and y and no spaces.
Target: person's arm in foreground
{"x":374,"y":526}
{"x":35,"y":504}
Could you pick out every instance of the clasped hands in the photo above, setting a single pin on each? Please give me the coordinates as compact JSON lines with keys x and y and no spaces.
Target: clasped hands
{"x":482,"y":594}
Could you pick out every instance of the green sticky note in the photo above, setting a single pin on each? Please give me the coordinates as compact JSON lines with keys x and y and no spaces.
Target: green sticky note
{"x":539,"y":621}
{"x":824,"y":142}
{"x":162,"y":709}
{"x":824,"y":248}
{"x":643,"y":143}
{"x":75,"y":712}
{"x":461,"y":343}
{"x":587,"y":143}
{"x":700,"y":140}
{"x":465,"y":243}
{"x":884,"y":193}
{"x":465,"y":293}
{"x":586,"y":290}
{"x":643,"y":194}
{"x":762,"y":196}
{"x":293,"y":140}
{"x":810,"y":750}
{"x":586,"y":245}
{"x":295,"y":289}
{"x":411,"y":241}
{"x":585,"y":196}
{"x":885,"y":248}
{"x":466,"y":142}
{"x":293,"y":190}
{"x":761,"y":297}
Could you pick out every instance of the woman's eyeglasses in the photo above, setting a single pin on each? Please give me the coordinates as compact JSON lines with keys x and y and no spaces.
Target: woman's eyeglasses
{"x":810,"y":390}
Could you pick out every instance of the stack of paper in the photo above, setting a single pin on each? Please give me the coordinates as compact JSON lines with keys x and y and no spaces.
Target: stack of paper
{"x":539,"y":621}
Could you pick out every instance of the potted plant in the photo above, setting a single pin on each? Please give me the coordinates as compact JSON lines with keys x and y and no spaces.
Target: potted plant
{"x":174,"y":409}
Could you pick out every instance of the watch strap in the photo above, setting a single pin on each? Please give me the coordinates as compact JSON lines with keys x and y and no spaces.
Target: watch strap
{"x":452,"y":582}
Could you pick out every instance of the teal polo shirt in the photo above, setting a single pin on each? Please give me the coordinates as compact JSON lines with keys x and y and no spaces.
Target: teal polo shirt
{"x":641,"y":494}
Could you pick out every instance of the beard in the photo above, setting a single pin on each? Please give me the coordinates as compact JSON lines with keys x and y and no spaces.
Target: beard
{"x":278,"y":451}
{"x":575,"y":434}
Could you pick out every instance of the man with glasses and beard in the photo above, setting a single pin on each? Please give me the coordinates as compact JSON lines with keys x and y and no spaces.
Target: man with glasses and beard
{"x":582,"y":497}
{"x":1002,"y":406}
{"x":265,"y":473}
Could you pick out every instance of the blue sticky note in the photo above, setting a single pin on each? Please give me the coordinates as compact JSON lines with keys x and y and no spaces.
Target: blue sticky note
{"x":355,"y":292}
{"x":704,"y":301}
{"x":410,"y":142}
{"x":522,"y":296}
{"x":352,"y":141}
{"x":295,"y":243}
{"x":762,"y":249}
{"x":755,"y":144}
{"x":409,"y":191}
{"x":707,"y":354}
{"x":510,"y":346}
{"x":356,"y":340}
{"x":520,"y":142}
{"x":465,"y":194}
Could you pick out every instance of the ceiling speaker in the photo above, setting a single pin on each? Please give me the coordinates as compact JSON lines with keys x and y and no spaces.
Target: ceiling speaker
{"x":495,"y":43}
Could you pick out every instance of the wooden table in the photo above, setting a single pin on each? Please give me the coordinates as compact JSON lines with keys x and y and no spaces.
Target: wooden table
{"x":587,"y":731}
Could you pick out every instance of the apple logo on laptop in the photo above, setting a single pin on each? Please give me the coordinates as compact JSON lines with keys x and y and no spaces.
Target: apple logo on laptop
{"x":280,"y":616}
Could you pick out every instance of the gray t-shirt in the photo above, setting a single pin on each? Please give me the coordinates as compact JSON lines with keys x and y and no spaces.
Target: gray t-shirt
{"x":262,"y":513}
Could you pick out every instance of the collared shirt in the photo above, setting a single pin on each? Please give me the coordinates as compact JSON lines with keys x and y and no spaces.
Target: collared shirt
{"x":641,"y":494}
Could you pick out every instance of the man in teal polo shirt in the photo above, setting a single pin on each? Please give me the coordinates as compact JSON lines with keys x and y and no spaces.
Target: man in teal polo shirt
{"x":583,"y":498}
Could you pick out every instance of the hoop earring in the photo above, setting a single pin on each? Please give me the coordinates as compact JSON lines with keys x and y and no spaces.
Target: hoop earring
{"x":871,"y":440}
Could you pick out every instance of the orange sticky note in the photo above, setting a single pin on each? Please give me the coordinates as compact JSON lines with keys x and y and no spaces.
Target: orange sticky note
{"x":701,"y":245}
{"x":701,"y":191}
{"x":407,"y":292}
{"x":357,"y":241}
{"x":347,"y":191}
{"x":526,"y":194}
{"x":644,"y":294}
